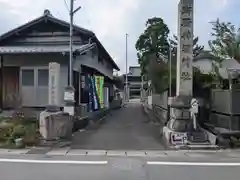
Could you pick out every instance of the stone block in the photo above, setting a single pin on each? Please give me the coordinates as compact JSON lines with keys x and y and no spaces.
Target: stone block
{"x":55,"y":125}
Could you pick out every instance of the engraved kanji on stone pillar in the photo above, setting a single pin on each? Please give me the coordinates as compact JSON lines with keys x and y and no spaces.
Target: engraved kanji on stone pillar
{"x":185,"y":48}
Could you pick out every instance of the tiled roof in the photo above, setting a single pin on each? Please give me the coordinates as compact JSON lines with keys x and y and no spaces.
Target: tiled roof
{"x":43,"y":49}
{"x":48,"y":17}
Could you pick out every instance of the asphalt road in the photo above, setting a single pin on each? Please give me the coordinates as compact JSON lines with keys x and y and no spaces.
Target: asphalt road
{"x":118,"y":168}
{"x":124,"y":129}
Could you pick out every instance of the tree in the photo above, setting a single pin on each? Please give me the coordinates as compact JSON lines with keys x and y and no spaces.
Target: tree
{"x":154,"y":40}
{"x":118,"y":81}
{"x":226,"y":44}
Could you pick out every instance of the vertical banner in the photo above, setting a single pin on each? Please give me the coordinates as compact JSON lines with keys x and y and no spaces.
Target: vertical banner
{"x":99,"y":83}
{"x":94,"y":94}
{"x":89,"y":82}
{"x":101,"y":97}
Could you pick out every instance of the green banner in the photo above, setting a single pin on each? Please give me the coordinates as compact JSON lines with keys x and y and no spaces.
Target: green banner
{"x":99,"y":80}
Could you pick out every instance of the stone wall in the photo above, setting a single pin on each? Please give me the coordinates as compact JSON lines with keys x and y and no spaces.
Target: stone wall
{"x":160,"y":99}
{"x":225,"y":101}
{"x":160,"y":106}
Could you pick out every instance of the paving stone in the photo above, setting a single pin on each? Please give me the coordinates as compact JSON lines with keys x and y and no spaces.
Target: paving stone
{"x":175,"y":153}
{"x":58,"y":152}
{"x":77,"y":152}
{"x":116,"y":153}
{"x":156,"y":154}
{"x":38,"y":151}
{"x":18,"y":151}
{"x":198,"y":155}
{"x":4,"y":151}
{"x":96,"y":152}
{"x":136,"y":153}
{"x":232,"y":155}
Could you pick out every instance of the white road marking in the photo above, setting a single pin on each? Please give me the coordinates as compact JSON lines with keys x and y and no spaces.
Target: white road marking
{"x":192,"y":163}
{"x":52,"y":161}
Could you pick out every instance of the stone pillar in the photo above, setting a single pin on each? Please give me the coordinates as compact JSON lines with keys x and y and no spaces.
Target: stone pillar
{"x":185,"y":48}
{"x":54,"y":84}
{"x":181,"y":103}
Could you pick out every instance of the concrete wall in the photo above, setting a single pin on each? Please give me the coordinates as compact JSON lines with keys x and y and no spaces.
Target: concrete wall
{"x":160,"y":99}
{"x":160,"y":106}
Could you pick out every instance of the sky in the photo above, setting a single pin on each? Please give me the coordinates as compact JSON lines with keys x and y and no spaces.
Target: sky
{"x":110,"y":20}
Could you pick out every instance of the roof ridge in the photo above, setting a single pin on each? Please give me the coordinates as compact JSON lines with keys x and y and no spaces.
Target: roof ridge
{"x":48,"y":16}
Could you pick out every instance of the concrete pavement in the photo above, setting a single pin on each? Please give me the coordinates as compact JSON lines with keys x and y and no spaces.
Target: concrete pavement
{"x":125,"y":129}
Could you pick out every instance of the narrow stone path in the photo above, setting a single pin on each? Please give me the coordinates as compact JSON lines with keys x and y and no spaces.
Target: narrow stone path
{"x":124,"y":129}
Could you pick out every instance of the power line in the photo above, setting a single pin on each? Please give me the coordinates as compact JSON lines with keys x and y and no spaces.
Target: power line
{"x":66,"y":4}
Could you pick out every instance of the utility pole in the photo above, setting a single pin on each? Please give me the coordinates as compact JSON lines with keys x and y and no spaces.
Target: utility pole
{"x":170,"y":71}
{"x":71,"y":14}
{"x":69,"y":97}
{"x":126,"y":86}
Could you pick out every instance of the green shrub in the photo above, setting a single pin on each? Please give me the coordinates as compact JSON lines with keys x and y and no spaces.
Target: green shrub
{"x":5,"y":130}
{"x":18,"y":127}
{"x":18,"y":131}
{"x":32,"y":135}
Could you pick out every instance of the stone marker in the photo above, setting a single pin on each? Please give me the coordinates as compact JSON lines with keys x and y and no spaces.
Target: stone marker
{"x":54,"y":84}
{"x":185,"y":48}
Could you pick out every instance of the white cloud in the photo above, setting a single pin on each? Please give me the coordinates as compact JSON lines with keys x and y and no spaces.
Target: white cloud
{"x":219,"y":4}
{"x":111,"y":19}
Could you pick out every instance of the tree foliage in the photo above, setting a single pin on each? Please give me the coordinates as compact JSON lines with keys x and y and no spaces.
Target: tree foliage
{"x":154,"y":40}
{"x":226,"y":42}
{"x":118,"y":81}
{"x":153,"y":46}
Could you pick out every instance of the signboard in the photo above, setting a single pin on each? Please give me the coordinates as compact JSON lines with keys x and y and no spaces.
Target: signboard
{"x":178,"y":138}
{"x":68,"y":96}
{"x":185,"y":48}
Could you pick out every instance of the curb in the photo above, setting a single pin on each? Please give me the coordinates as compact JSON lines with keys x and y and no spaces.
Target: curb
{"x":197,"y":147}
{"x":112,"y":153}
